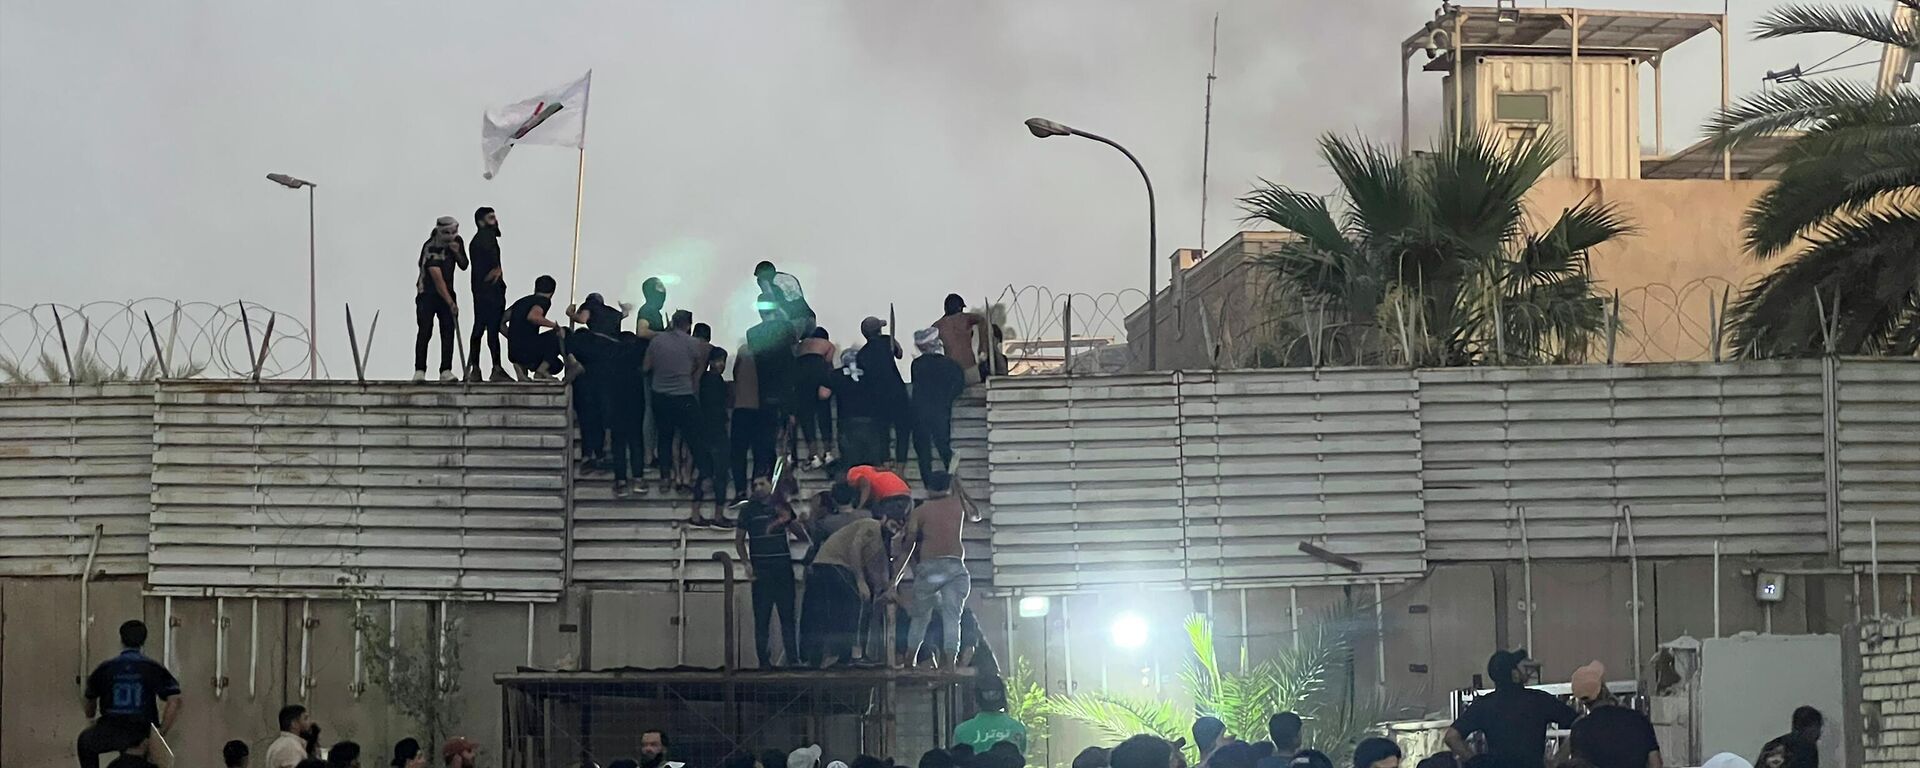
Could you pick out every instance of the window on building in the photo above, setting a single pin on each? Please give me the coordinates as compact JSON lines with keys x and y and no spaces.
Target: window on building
{"x":1520,"y":107}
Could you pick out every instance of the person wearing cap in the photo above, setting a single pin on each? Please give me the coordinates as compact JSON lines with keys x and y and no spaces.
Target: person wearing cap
{"x":407,"y":754}
{"x":940,"y":578}
{"x":992,"y":725}
{"x":781,"y":291}
{"x":459,"y":752}
{"x":804,"y":757}
{"x":434,"y":302}
{"x":887,"y":389}
{"x":938,"y":381}
{"x":1513,"y":717}
{"x":489,"y":293}
{"x":675,"y":361}
{"x":1609,"y":735}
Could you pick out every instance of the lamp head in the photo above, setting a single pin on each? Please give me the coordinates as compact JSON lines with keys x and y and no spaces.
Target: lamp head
{"x":288,"y":181}
{"x":1043,"y":128}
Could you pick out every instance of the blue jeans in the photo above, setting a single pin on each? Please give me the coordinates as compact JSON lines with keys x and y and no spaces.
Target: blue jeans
{"x":939,"y":583}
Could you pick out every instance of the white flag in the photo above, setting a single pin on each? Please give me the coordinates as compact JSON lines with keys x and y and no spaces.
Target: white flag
{"x":557,"y":117}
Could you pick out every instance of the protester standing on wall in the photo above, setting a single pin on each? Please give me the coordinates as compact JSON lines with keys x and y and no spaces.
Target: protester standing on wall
{"x":489,"y":294}
{"x":434,"y":302}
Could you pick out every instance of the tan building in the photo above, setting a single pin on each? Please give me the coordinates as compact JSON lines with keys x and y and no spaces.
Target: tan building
{"x":1520,"y":73}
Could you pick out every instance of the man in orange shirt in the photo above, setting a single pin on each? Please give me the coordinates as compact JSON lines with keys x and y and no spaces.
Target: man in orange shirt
{"x":881,"y":492}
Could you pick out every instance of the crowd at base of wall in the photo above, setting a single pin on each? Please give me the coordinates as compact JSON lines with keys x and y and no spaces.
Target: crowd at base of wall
{"x":1438,"y":631}
{"x":1890,"y":693}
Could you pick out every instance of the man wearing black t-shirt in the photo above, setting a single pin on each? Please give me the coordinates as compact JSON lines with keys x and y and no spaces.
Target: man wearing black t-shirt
{"x":1513,"y":717}
{"x":761,"y":540}
{"x":937,"y":382}
{"x":124,"y":693}
{"x":877,"y":358}
{"x":534,"y":352}
{"x":489,"y":293}
{"x":1609,"y":735}
{"x":863,"y":433}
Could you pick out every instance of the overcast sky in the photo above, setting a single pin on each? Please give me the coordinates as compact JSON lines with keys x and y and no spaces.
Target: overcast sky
{"x":874,"y":148}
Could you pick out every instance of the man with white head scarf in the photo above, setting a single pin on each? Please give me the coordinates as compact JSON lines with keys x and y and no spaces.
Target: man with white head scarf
{"x":937,"y":382}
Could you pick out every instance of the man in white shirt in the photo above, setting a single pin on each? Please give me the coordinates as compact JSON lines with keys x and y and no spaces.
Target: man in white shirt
{"x":290,"y":747}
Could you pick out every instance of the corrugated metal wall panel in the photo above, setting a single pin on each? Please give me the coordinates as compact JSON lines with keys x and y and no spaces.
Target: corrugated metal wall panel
{"x":71,"y":458}
{"x":1700,"y":451}
{"x":302,"y":487}
{"x":641,"y":540}
{"x":1602,"y":128}
{"x":1274,"y":458}
{"x":1879,"y":461}
{"x":1086,"y":481}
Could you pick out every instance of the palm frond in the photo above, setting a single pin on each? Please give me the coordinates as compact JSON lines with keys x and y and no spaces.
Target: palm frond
{"x":1301,"y":213}
{"x":1797,"y":106}
{"x":1380,"y":193}
{"x":1864,"y":264}
{"x":1810,"y":192}
{"x":1851,"y":20}
{"x":1117,"y":717}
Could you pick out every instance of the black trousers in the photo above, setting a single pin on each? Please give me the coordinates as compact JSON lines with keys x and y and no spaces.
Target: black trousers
{"x":718,"y":447}
{"x":626,"y":420}
{"x":535,"y":351}
{"x":863,"y":440}
{"x":590,"y":409}
{"x":773,"y":591}
{"x":902,"y":427}
{"x":680,"y":414}
{"x":103,"y":737}
{"x":428,"y":310}
{"x":814,"y":414}
{"x":488,"y":313}
{"x":933,"y":433}
{"x":831,"y":615}
{"x":753,"y":433}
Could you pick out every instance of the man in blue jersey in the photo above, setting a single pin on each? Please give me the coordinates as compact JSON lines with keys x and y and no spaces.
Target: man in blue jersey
{"x":123,"y":700}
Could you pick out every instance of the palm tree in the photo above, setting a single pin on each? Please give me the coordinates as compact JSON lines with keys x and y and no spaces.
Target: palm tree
{"x":1431,"y":261}
{"x":1845,"y":213}
{"x":1298,"y":679}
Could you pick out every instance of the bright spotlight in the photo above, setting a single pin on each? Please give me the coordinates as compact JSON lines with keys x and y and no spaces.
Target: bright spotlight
{"x":1034,"y":607}
{"x":1129,"y":631}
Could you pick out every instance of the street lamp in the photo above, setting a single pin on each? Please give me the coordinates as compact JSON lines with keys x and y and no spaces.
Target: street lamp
{"x":313,"y":327}
{"x":1043,"y":128}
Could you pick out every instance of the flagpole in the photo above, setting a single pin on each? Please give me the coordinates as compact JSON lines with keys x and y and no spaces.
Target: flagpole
{"x":579,"y":189}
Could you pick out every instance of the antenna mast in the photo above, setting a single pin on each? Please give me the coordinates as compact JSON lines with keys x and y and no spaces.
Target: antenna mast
{"x":1206,"y":140}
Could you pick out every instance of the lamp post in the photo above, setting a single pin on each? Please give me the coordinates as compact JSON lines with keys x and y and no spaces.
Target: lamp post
{"x":1043,"y":128}
{"x":313,"y":327}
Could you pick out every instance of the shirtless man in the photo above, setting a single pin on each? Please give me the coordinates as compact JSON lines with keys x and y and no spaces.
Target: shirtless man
{"x":940,"y":580}
{"x":963,"y":334}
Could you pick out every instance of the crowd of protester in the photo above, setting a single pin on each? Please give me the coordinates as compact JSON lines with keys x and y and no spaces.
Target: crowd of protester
{"x":131,"y":698}
{"x":652,"y":389}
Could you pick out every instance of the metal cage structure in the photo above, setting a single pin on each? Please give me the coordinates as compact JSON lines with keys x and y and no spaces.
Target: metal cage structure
{"x":556,"y":719}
